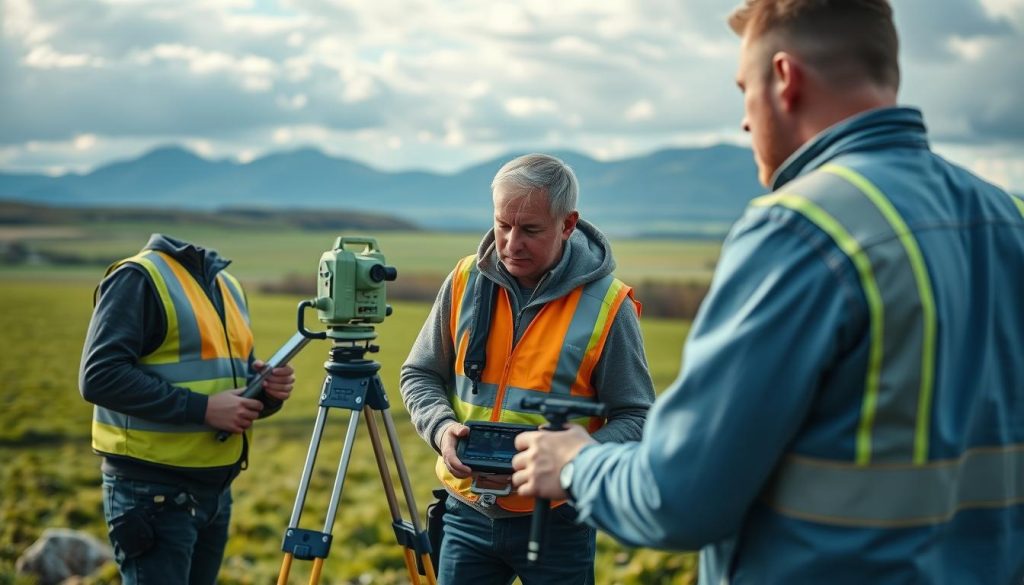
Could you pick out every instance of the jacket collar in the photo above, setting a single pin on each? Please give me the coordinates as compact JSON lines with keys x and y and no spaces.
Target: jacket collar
{"x":867,"y":131}
{"x":202,"y":263}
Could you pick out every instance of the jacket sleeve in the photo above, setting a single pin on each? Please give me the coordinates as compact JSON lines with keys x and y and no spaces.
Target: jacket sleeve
{"x":127,"y":323}
{"x":427,"y":373}
{"x":623,"y":380}
{"x":777,"y":314}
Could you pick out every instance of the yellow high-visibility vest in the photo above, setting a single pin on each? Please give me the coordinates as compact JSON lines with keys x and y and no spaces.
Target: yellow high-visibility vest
{"x":200,"y":352}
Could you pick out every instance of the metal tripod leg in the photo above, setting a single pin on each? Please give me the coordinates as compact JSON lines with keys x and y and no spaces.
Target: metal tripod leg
{"x":406,"y":534}
{"x":353,"y":384}
{"x":307,"y":544}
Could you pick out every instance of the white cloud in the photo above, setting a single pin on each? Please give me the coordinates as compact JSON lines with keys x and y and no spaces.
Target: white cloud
{"x":84,"y":141}
{"x":442,"y":84}
{"x":640,"y":111}
{"x":526,"y":107}
{"x":45,"y":57}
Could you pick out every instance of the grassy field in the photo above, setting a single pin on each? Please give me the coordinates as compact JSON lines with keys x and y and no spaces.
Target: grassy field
{"x":267,"y":256}
{"x":50,"y":477}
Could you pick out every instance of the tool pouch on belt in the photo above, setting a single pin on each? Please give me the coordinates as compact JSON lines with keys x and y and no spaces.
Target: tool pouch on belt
{"x":132,"y":532}
{"x":435,"y":523}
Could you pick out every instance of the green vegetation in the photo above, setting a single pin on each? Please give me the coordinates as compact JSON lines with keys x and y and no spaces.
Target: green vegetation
{"x":50,"y":478}
{"x":266,"y":251}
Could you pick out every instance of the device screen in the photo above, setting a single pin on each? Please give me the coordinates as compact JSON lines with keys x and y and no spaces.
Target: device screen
{"x":485,"y":442}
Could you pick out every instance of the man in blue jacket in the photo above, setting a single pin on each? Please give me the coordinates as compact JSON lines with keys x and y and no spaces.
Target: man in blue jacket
{"x":851,"y":404}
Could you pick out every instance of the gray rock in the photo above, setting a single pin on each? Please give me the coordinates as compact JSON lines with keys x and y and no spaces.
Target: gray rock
{"x":60,"y":554}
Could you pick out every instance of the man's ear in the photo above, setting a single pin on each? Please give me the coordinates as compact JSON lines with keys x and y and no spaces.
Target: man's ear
{"x":788,"y":75}
{"x":569,"y":224}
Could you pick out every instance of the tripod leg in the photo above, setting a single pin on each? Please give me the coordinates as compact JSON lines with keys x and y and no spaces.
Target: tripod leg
{"x":339,"y":479}
{"x":389,"y":491}
{"x":300,"y":495}
{"x":410,"y":502}
{"x":286,"y":567}
{"x":314,"y":576}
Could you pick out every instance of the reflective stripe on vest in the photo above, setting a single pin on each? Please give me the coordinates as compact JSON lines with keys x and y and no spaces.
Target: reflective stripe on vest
{"x":891,"y":465}
{"x":898,"y":496}
{"x":1018,"y":202}
{"x":556,"y":354}
{"x":199,"y":352}
{"x":896,"y":406}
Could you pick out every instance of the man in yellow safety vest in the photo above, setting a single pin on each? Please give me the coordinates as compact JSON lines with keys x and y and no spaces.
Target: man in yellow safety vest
{"x":168,"y":350}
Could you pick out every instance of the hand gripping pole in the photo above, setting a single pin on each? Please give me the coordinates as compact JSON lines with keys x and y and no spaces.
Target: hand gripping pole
{"x":557,"y":412}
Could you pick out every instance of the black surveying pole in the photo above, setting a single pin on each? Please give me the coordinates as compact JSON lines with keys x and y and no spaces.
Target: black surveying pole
{"x":557,"y":412}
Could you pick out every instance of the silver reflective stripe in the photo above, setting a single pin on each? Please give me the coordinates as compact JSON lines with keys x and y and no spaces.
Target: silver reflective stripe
{"x":577,"y":338}
{"x":467,"y":309}
{"x":485,"y":396}
{"x":236,"y":293}
{"x":894,"y":496}
{"x":210,"y":369}
{"x":190,"y":343}
{"x":893,"y":425}
{"x":121,"y":421}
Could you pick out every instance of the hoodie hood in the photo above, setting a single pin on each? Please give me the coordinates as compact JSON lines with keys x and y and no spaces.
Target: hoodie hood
{"x":586,"y":257}
{"x":202,"y":263}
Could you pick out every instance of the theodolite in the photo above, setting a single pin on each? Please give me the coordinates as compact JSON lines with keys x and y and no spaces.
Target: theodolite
{"x":351,"y":298}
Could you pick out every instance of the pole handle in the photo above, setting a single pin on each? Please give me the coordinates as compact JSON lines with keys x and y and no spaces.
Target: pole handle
{"x":538,"y":527}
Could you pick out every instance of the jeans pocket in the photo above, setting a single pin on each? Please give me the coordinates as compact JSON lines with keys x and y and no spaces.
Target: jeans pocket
{"x":452,"y":504}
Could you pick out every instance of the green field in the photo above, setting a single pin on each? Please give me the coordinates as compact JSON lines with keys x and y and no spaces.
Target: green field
{"x":50,"y":477}
{"x":265,"y":256}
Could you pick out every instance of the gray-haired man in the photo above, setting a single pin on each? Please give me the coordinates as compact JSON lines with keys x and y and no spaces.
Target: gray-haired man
{"x":560,"y":324}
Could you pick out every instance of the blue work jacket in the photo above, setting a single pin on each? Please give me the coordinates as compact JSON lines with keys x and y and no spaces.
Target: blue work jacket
{"x":850,"y":407}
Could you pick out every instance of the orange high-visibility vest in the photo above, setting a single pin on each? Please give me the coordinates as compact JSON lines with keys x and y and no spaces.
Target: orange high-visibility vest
{"x":200,"y":352}
{"x":556,"y":355}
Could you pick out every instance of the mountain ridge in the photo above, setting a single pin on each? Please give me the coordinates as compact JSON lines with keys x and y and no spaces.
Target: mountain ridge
{"x":702,"y":189}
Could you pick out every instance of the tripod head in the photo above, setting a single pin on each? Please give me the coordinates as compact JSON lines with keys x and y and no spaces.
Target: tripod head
{"x":351,"y":294}
{"x":558,"y":410}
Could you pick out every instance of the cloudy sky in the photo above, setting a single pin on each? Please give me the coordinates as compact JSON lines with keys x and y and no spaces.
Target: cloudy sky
{"x":440,"y":84}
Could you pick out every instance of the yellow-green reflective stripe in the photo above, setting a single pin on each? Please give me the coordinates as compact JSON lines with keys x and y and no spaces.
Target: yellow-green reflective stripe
{"x":897,"y":495}
{"x":467,"y":412}
{"x":192,"y":450}
{"x":924,"y":289}
{"x":602,"y":317}
{"x":1018,"y":202}
{"x":860,"y":260}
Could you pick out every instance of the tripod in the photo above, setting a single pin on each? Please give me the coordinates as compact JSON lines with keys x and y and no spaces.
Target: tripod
{"x":352,"y":383}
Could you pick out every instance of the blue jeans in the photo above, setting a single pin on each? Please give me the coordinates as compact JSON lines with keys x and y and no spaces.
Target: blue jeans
{"x":189,"y":536}
{"x":477,"y":550}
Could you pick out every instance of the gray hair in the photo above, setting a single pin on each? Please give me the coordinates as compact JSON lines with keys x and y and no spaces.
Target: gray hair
{"x":532,"y":172}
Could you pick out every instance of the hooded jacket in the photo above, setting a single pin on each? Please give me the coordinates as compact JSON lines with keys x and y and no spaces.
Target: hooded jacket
{"x":621,"y":376}
{"x":129,"y":322}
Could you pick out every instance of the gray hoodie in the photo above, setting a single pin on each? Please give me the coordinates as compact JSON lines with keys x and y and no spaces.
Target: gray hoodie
{"x":621,"y":376}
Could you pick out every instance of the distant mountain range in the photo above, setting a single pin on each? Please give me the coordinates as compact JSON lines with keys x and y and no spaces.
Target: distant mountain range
{"x":689,"y":191}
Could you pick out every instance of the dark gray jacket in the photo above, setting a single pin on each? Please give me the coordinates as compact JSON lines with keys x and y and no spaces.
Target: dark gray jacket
{"x":128,"y":322}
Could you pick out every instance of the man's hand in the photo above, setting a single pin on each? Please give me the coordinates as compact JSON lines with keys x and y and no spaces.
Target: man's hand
{"x":230,"y":412}
{"x":542,"y":454}
{"x":278,"y":384}
{"x":449,"y":440}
